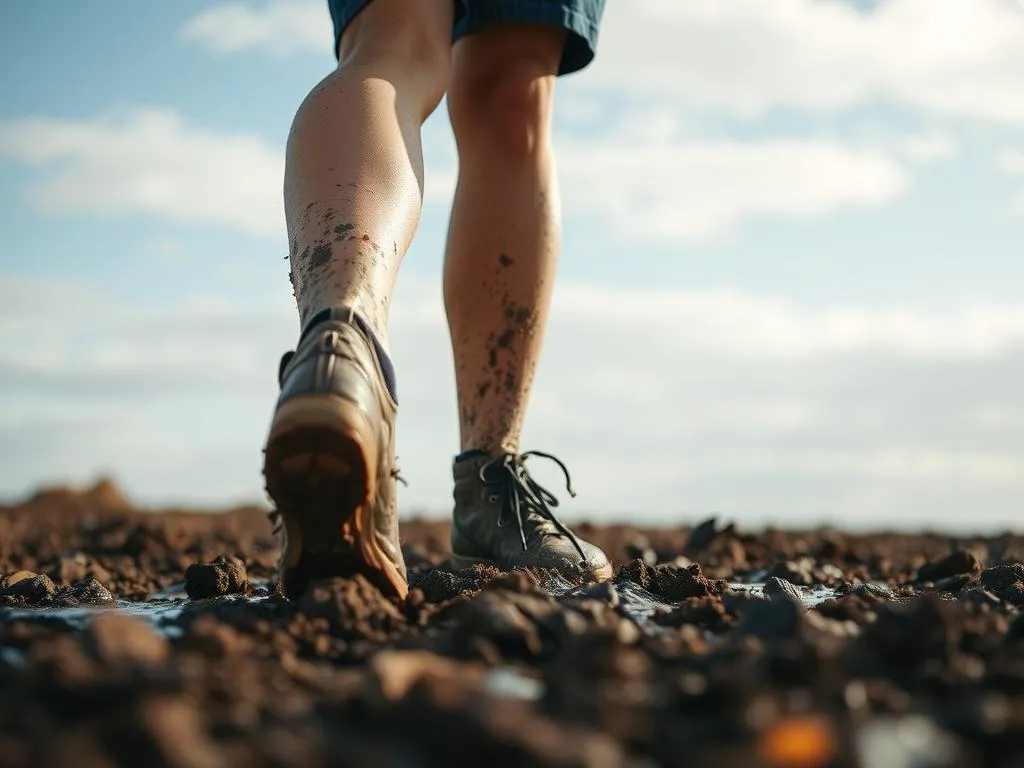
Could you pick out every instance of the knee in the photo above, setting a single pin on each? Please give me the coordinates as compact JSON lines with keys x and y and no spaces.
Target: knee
{"x":505,"y":108}
{"x":408,"y":44}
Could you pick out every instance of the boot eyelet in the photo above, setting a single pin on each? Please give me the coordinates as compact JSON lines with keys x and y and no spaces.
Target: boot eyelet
{"x":493,"y":498}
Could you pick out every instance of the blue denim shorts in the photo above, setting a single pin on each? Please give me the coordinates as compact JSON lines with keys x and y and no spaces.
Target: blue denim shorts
{"x":581,"y":18}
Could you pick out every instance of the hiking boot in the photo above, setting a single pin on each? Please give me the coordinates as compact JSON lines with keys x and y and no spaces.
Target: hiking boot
{"x":503,"y":517}
{"x":329,"y":459}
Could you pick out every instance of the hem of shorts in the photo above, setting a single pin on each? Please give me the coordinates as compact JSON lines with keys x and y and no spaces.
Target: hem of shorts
{"x":571,"y":19}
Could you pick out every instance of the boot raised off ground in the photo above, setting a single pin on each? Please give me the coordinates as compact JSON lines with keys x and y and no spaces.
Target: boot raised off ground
{"x":329,"y":459}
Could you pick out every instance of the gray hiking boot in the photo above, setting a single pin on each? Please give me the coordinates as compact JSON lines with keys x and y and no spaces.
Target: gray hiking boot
{"x":329,"y":460}
{"x":503,"y":517}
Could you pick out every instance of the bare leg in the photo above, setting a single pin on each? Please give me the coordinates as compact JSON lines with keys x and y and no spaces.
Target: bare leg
{"x":354,"y":175}
{"x":503,"y":239}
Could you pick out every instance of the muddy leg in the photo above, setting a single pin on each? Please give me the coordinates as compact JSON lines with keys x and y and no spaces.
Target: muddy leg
{"x":504,"y":234}
{"x":354,"y":173}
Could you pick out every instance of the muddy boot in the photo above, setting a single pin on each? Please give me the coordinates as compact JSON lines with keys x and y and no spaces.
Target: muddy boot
{"x":503,"y":517}
{"x":329,"y":460}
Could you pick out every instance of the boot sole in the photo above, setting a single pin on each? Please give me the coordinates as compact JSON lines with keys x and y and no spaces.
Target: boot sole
{"x":320,"y":467}
{"x":460,"y":562}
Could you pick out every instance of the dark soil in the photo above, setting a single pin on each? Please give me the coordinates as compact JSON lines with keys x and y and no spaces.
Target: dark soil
{"x":884,"y":650}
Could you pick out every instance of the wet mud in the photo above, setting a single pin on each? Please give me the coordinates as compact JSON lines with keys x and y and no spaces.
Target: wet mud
{"x":131,"y":637}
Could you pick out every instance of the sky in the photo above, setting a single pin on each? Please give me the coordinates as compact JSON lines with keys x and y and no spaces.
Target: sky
{"x":791,"y":288}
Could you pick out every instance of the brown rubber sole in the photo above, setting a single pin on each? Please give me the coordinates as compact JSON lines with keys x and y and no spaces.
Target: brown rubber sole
{"x":320,"y":467}
{"x":460,"y":562}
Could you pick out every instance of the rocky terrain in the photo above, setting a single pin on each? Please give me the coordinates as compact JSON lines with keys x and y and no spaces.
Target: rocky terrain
{"x":157,"y":638}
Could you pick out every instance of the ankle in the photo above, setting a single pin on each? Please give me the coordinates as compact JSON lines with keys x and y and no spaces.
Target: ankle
{"x":347,"y":314}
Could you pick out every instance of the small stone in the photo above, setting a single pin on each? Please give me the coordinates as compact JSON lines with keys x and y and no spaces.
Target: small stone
{"x":604,"y":591}
{"x":33,"y":590}
{"x":952,"y":583}
{"x":870,"y":592}
{"x":953,"y":564}
{"x":86,"y":592}
{"x":1004,"y":581}
{"x":776,"y":588}
{"x":224,"y":576}
{"x":1002,"y":576}
{"x":770,"y":620}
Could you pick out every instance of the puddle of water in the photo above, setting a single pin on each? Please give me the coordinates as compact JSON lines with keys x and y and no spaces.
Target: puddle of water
{"x":809,"y":596}
{"x":164,"y":608}
{"x":159,"y":614}
{"x":161,"y":610}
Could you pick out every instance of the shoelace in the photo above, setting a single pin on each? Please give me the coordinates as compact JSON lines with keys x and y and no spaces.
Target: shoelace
{"x":521,"y":492}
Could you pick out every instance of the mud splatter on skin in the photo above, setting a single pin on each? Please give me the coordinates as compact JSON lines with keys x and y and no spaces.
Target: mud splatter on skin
{"x":321,"y":256}
{"x":505,"y":260}
{"x":356,"y":272}
{"x":495,"y":421}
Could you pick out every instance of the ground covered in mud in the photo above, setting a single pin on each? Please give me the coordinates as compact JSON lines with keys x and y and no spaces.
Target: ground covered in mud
{"x":133,"y":638}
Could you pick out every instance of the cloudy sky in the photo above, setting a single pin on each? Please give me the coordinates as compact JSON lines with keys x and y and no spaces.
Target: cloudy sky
{"x":792,"y":287}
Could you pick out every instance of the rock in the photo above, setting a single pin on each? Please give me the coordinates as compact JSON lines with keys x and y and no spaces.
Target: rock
{"x":1004,"y":581}
{"x":604,"y":591}
{"x":776,"y":587}
{"x":770,"y":620}
{"x":86,"y":592}
{"x":1002,"y":576}
{"x":117,"y":640}
{"x":870,"y":592}
{"x":952,"y":583}
{"x":224,"y":576}
{"x":953,"y":564}
{"x":33,"y":589}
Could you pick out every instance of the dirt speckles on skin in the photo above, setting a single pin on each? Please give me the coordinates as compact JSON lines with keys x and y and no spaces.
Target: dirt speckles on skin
{"x":505,"y":260}
{"x":505,"y":340}
{"x":321,"y":256}
{"x":342,"y":229}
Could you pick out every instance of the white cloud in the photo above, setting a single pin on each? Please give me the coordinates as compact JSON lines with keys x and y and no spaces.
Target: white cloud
{"x":149,"y":161}
{"x":1011,"y":161}
{"x":928,"y":148}
{"x":739,"y":404}
{"x":678,"y":190}
{"x":744,"y":57}
{"x":278,"y":27}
